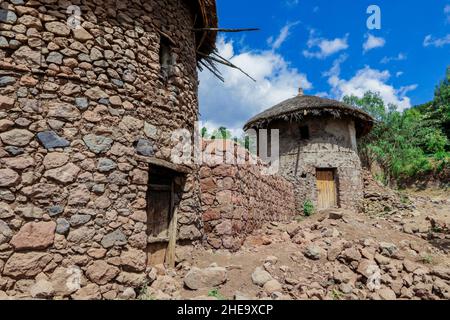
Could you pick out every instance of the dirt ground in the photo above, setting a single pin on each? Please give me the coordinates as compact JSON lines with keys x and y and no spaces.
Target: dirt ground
{"x":283,"y":256}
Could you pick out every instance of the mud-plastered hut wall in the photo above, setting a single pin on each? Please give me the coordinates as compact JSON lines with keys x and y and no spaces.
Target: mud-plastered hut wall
{"x":331,"y":144}
{"x":238,"y":195}
{"x":85,"y":115}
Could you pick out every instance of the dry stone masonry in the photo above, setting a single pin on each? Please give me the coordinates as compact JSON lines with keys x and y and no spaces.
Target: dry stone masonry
{"x":238,"y":199}
{"x":83,"y":113}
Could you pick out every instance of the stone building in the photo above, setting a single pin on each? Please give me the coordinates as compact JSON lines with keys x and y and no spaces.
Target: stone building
{"x":318,"y":148}
{"x":86,"y":116}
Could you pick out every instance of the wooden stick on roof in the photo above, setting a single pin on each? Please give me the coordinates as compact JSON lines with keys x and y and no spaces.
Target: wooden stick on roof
{"x":222,"y":60}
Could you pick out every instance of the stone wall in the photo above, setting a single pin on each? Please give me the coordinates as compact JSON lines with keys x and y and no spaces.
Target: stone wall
{"x":238,"y":198}
{"x":82,"y":114}
{"x":332,"y":144}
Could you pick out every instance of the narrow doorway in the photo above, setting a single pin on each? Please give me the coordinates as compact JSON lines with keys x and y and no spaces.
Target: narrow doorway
{"x":160,"y":213}
{"x":326,"y":187}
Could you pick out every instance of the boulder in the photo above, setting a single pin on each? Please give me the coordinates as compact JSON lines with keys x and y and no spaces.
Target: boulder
{"x":89,"y":292}
{"x":205,"y":278}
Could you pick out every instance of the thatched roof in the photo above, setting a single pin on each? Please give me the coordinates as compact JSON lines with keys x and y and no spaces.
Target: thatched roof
{"x":303,"y":106}
{"x":205,"y":18}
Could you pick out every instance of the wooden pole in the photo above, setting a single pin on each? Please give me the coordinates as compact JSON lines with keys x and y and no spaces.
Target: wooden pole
{"x":171,"y":249}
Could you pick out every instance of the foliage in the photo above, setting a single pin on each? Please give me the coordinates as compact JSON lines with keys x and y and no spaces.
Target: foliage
{"x":308,"y":208}
{"x":409,"y":143}
{"x":216,"y":294}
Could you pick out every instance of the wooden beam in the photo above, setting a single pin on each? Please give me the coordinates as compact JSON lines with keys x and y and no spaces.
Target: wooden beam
{"x":173,"y":226}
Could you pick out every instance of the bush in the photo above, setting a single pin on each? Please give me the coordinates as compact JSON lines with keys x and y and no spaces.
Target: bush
{"x":308,"y":208}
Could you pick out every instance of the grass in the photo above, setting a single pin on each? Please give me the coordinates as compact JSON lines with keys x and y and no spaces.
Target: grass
{"x":216,"y":294}
{"x":144,"y":295}
{"x":427,"y":259}
{"x":336,"y":294}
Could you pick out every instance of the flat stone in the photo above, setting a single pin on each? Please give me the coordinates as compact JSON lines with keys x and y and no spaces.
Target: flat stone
{"x":26,"y":265}
{"x":34,"y":236}
{"x":81,"y":34}
{"x":5,"y":232}
{"x":81,"y":235}
{"x":8,"y":178}
{"x":97,"y":144}
{"x":55,"y":210}
{"x":145,"y":148}
{"x":66,"y":174}
{"x":17,"y":137}
{"x":27,"y":56}
{"x":260,"y":277}
{"x":115,"y":238}
{"x":5,"y":211}
{"x":14,"y":151}
{"x":313,"y":252}
{"x":387,"y":294}
{"x":18,"y":163}
{"x":106,"y":165}
{"x":66,"y":281}
{"x":6,"y":103}
{"x":42,"y":289}
{"x":30,"y":212}
{"x":79,"y":219}
{"x":7,"y":16}
{"x":51,"y":140}
{"x":64,"y":111}
{"x":89,"y":292}
{"x":55,"y":160}
{"x":82,"y":103}
{"x":101,"y":272}
{"x":133,"y":260}
{"x":62,"y":226}
{"x":96,"y":94}
{"x":58,"y":28}
{"x":205,"y":278}
{"x":273,"y":286}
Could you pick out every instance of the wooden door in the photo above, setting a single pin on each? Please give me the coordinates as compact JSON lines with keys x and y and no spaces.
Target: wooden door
{"x":159,"y":214}
{"x":326,"y":186}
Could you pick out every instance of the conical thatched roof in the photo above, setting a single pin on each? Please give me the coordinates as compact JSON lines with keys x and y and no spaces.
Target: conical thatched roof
{"x":205,"y":18}
{"x":303,"y":106}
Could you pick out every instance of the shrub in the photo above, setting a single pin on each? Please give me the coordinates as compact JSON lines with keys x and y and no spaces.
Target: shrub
{"x":308,"y":208}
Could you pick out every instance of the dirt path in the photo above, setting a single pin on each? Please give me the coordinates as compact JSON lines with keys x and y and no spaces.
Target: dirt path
{"x":322,"y":258}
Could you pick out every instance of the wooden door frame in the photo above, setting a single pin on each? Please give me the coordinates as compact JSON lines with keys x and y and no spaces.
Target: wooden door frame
{"x":170,"y":255}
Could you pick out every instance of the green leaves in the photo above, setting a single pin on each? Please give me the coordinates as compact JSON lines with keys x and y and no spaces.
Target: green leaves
{"x":406,"y":144}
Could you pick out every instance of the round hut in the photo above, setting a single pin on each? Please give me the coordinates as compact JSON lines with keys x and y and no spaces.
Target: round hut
{"x":90,"y":93}
{"x":318,"y":148}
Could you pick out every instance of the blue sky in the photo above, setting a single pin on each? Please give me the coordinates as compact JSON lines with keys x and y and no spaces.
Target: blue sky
{"x":325,"y":47}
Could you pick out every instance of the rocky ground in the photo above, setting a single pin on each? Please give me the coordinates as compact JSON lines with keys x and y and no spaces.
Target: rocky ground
{"x":397,"y":254}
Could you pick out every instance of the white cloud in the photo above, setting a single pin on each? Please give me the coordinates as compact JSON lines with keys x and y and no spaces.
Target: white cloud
{"x":436,"y":42}
{"x":284,"y":34}
{"x":232,"y":103}
{"x":373,"y":42}
{"x":399,"y":74}
{"x":326,"y":47}
{"x":368,"y":79}
{"x":399,"y":57}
